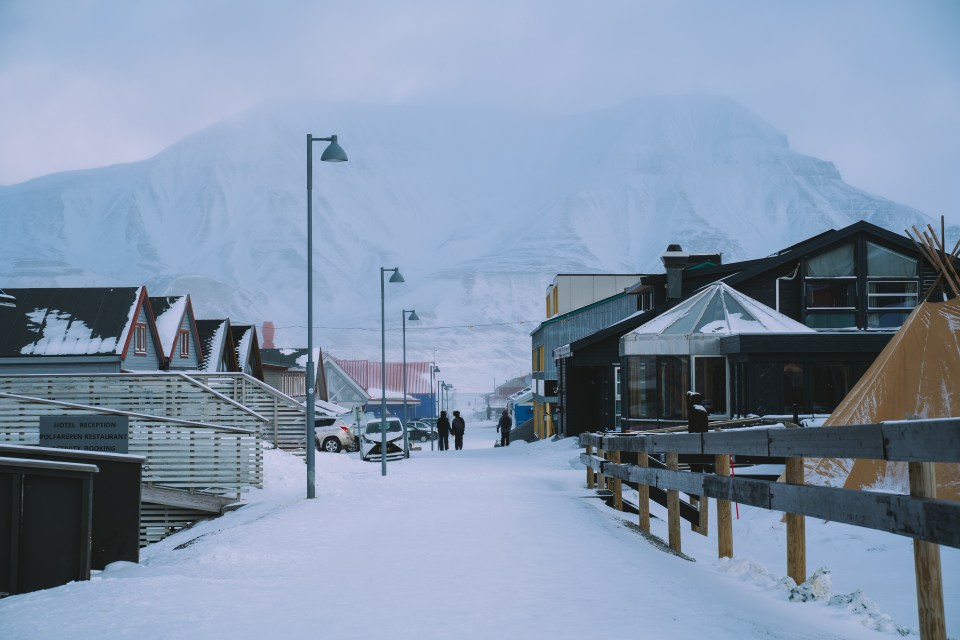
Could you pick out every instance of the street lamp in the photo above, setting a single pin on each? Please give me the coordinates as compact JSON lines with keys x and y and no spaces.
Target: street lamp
{"x":413,"y":317}
{"x":433,"y":399}
{"x":333,"y":153}
{"x":396,"y":277}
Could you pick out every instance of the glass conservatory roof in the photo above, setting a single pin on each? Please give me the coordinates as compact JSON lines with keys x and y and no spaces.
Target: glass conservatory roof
{"x":716,"y":310}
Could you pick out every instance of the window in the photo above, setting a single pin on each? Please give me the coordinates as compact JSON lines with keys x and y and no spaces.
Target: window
{"x":184,"y":338}
{"x":830,"y":289}
{"x":140,"y":339}
{"x":892,"y":287}
{"x":538,"y":358}
{"x":710,"y":381}
{"x":863,"y":285}
{"x":657,"y":387}
{"x":548,"y":306}
{"x":645,"y":300}
{"x":555,"y":300}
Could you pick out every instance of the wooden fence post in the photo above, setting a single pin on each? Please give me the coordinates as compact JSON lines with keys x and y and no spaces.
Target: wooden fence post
{"x":796,"y":526}
{"x":673,"y":506}
{"x":601,"y":481}
{"x":643,"y":496}
{"x":926,"y":561}
{"x":724,"y":519}
{"x":617,"y":484}
{"x":589,"y":470}
{"x":703,"y":508}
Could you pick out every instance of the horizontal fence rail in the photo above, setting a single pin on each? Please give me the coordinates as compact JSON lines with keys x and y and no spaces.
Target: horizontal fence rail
{"x":904,"y":441}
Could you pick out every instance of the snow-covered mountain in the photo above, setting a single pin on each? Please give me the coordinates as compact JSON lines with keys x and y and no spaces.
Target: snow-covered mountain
{"x":478,"y":208}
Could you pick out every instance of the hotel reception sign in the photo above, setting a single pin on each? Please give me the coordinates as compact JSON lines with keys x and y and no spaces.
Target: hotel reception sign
{"x":107,"y":434}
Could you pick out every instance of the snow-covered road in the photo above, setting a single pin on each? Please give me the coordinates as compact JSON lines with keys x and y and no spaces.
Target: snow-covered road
{"x":481,"y":543}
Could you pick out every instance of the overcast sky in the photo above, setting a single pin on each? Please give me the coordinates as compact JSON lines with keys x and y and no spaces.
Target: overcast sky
{"x":872,"y":85}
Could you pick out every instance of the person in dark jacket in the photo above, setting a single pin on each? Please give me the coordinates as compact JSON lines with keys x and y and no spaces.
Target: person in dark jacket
{"x":504,"y":428}
{"x":443,"y":431}
{"x":458,"y":427}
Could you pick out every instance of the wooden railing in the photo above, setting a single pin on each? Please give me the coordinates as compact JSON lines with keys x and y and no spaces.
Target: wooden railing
{"x":920,"y":515}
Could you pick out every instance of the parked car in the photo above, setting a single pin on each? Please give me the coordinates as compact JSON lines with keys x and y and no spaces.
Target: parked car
{"x":420,"y":431}
{"x":370,"y":446}
{"x":333,"y":434}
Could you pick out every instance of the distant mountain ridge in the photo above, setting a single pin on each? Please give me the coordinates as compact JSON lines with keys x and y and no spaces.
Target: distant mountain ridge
{"x":478,"y":208}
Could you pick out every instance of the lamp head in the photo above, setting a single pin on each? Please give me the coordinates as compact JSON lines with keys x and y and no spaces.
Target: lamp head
{"x":413,"y":316}
{"x":396,"y":277}
{"x":334,"y":152}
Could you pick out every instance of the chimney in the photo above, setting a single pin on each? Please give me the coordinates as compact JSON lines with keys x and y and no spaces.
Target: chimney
{"x":674,"y":261}
{"x":268,"y":331}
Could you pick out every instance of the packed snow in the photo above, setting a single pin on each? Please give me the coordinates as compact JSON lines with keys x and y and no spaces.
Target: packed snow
{"x":481,"y":543}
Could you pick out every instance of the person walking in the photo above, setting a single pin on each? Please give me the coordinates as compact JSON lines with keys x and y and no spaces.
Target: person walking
{"x":458,"y":427}
{"x":504,"y":428}
{"x":443,"y":431}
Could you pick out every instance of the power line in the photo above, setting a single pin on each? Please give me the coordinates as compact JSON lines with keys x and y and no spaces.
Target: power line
{"x":411,"y":327}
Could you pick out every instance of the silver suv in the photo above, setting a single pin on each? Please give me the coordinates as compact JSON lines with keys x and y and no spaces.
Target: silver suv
{"x":333,"y":434}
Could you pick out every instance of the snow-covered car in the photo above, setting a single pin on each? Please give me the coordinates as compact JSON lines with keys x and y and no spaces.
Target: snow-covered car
{"x":333,"y":434}
{"x":419,"y":431}
{"x":370,"y":444}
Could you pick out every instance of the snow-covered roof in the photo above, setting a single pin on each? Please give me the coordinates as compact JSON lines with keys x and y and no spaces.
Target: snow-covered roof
{"x":168,"y":311}
{"x":69,"y":321}
{"x":696,"y":325}
{"x":212,"y":335}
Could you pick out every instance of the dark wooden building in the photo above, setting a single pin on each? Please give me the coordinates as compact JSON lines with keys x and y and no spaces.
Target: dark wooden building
{"x":853,"y":287}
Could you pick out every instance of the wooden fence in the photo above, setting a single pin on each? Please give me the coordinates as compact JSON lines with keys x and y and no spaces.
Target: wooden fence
{"x":920,"y":443}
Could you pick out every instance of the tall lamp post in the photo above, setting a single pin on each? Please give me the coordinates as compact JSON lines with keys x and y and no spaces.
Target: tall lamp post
{"x":333,"y":153}
{"x":413,"y":317}
{"x":433,"y":399}
{"x":396,"y":277}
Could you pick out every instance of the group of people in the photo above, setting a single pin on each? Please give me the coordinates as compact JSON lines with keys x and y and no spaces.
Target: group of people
{"x":444,"y":427}
{"x":458,"y":426}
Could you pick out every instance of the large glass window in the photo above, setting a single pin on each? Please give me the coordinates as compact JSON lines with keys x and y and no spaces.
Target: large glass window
{"x":673,"y":380}
{"x":830,"y":289}
{"x":642,"y":386}
{"x":883,"y":262}
{"x":710,"y":381}
{"x":893,"y":287}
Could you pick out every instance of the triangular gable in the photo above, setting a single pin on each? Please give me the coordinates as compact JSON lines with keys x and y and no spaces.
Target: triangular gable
{"x":341,"y":387}
{"x":168,"y":312}
{"x":218,"y":347}
{"x":143,"y":308}
{"x":248,"y":349}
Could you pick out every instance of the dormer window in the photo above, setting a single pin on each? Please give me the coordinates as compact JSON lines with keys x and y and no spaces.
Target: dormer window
{"x":140,"y":339}
{"x":184,"y":344}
